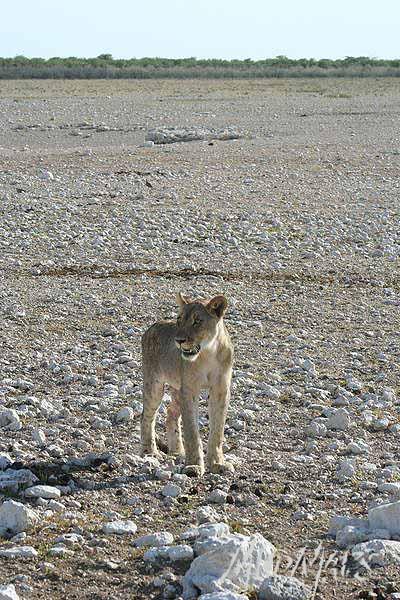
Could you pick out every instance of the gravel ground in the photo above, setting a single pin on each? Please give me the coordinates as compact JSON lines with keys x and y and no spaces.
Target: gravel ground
{"x":297,"y":223}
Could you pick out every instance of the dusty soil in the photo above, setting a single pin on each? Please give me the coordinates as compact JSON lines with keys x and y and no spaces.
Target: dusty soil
{"x":297,"y":223}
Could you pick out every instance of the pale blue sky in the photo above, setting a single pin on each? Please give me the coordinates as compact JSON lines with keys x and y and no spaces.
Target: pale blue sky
{"x":202,"y":28}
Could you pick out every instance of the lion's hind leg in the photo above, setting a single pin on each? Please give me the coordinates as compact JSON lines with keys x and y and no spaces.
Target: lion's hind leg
{"x":174,"y":428}
{"x":152,"y":395}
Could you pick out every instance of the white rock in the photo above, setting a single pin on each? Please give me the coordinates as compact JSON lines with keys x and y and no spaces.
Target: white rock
{"x":308,"y":366}
{"x":385,"y":516}
{"x":69,"y":539}
{"x":392,"y":488}
{"x":19,"y":537}
{"x":5,"y":461}
{"x":162,"y":474}
{"x":46,"y":175}
{"x":353,"y":384}
{"x":181,"y":552}
{"x":377,"y":553}
{"x":149,"y":463}
{"x":159,"y":582}
{"x":124,"y":415}
{"x":42,"y":491}
{"x":316,"y":429}
{"x":47,"y":409}
{"x":207,"y":536}
{"x":339,"y":420}
{"x":236,"y":562}
{"x":388,"y":472}
{"x":206,"y":545}
{"x":379,"y":534}
{"x":338,"y":522}
{"x":155,"y":555}
{"x":389,"y":395}
{"x":9,"y":419}
{"x":207,"y":514}
{"x":213,"y":530}
{"x":19,"y":552}
{"x":237,"y":424}
{"x":350,"y":535}
{"x":46,"y":566}
{"x":281,"y":587}
{"x":161,"y":538}
{"x":358,"y":447}
{"x":180,"y":477}
{"x":340,"y":400}
{"x":223,"y":596}
{"x":12,"y":479}
{"x":99,"y":423}
{"x":171,"y":490}
{"x":278,"y":466}
{"x":7,"y":592}
{"x":169,"y":135}
{"x":345,"y":470}
{"x":217,"y":496}
{"x":55,"y":450}
{"x":380,"y":424}
{"x":23,"y":384}
{"x":368,"y":485}
{"x":15,"y":517}
{"x":370,"y":467}
{"x":55,"y":506}
{"x":271,"y":392}
{"x":120,"y":527}
{"x":60,"y":550}
{"x":302,"y":515}
{"x":41,"y":502}
{"x":39,"y":436}
{"x":189,"y":534}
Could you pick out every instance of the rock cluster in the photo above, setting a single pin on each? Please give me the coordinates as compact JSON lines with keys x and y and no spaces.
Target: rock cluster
{"x":171,"y":135}
{"x":373,"y":541}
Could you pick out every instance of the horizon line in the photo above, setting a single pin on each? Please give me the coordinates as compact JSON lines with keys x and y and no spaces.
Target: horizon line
{"x":248,"y":59}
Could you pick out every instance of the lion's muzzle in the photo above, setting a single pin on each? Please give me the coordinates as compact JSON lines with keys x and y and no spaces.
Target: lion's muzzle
{"x":188,"y":350}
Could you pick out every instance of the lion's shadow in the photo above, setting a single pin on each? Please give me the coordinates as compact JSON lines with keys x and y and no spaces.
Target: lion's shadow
{"x":92,"y":472}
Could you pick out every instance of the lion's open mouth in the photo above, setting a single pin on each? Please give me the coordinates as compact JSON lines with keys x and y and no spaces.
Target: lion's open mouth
{"x":191,"y":352}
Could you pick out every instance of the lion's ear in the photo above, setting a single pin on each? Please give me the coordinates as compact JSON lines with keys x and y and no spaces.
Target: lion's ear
{"x":181,"y":299}
{"x":217,"y":306}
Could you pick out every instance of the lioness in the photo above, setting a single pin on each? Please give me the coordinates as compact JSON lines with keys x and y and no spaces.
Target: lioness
{"x":191,"y":354}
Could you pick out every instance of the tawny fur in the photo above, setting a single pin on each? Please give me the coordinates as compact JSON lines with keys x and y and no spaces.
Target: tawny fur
{"x":190,"y":354}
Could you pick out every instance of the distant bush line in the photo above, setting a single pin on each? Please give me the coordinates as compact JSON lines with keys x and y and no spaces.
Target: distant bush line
{"x":107,"y":67}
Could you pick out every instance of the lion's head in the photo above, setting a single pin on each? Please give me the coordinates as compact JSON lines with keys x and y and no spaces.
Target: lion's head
{"x":197,"y":324}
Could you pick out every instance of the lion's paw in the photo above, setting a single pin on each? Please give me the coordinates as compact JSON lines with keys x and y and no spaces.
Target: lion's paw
{"x":193,"y":470}
{"x":151,"y":452}
{"x":225,"y":468}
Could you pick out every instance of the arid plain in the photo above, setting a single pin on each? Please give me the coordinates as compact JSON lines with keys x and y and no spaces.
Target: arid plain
{"x":297,"y":222}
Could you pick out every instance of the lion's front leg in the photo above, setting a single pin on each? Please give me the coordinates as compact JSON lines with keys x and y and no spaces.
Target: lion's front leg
{"x":189,"y":404}
{"x":217,"y":408}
